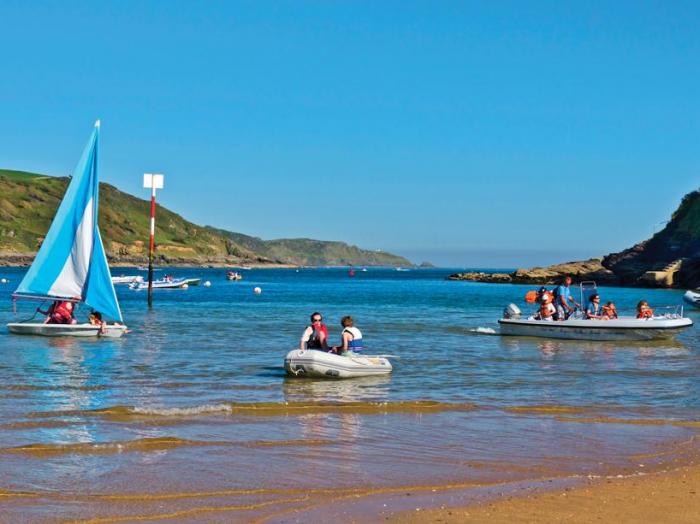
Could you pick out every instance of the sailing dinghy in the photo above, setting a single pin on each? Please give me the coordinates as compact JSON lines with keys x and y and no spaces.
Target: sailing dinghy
{"x":71,"y":264}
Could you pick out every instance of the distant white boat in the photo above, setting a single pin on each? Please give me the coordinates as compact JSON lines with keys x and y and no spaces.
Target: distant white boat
{"x":127,"y":279}
{"x":71,"y":265}
{"x":692,"y":298}
{"x":402,"y":269}
{"x":320,"y":364}
{"x":167,"y":283}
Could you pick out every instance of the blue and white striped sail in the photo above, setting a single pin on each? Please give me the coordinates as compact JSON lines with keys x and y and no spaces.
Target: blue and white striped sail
{"x":71,"y":262}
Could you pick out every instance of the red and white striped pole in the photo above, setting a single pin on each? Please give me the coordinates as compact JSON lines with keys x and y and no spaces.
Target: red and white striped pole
{"x":152,"y":181}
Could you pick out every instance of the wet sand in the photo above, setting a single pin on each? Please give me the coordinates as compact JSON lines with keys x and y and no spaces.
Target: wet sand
{"x":665,"y":496}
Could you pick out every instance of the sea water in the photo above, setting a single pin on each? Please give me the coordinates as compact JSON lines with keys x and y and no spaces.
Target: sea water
{"x":191,"y":414}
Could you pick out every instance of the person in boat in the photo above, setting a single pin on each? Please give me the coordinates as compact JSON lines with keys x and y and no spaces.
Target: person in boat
{"x":350,"y":338}
{"x":593,"y":310}
{"x":609,"y":310}
{"x":315,"y":336}
{"x":95,"y":319}
{"x":643,"y":310}
{"x":564,"y":302}
{"x":60,"y":312}
{"x":547,"y":309}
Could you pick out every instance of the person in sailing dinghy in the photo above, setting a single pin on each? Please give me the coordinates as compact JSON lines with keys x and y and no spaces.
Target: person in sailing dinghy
{"x":315,"y":336}
{"x":60,"y":312}
{"x":351,"y":338}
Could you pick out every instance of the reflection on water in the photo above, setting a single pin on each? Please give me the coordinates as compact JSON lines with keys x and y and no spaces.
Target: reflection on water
{"x":199,"y":386}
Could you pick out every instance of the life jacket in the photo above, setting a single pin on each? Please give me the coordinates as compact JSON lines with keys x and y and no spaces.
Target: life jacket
{"x":355,"y":344}
{"x":646,"y":313}
{"x":314,"y":341}
{"x":60,"y":314}
{"x":609,"y":311}
{"x":546,"y":310}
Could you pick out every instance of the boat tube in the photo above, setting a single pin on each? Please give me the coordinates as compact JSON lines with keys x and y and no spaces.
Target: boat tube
{"x":320,"y":364}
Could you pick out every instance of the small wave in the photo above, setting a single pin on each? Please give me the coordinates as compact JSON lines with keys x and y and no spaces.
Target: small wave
{"x":263,"y":409}
{"x":634,"y":421}
{"x":145,"y":444}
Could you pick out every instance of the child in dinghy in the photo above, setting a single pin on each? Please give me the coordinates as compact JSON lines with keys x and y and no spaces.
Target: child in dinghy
{"x":351,"y":338}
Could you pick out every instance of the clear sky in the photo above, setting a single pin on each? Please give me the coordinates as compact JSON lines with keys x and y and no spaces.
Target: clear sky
{"x":466,"y":133}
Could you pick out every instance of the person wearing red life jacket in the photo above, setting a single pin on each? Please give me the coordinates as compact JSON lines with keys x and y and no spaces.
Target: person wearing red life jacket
{"x":60,"y":312}
{"x":643,"y":310}
{"x":315,"y":336}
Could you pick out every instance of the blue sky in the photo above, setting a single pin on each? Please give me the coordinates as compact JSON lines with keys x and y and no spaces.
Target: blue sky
{"x":466,"y":133}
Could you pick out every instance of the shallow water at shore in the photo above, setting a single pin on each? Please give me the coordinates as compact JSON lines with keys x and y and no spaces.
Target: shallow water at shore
{"x":192,"y":409}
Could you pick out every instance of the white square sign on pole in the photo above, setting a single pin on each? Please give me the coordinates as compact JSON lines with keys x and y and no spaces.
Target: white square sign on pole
{"x":152,"y":181}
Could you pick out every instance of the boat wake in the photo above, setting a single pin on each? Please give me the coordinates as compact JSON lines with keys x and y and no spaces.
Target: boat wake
{"x":480,"y":330}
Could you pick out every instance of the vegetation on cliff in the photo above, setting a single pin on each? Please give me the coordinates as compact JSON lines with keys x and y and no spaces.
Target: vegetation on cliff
{"x":28,"y":203}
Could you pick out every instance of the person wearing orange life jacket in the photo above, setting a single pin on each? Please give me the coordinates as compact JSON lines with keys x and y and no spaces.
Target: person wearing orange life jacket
{"x":315,"y":336}
{"x":643,"y":310}
{"x":547,"y":309}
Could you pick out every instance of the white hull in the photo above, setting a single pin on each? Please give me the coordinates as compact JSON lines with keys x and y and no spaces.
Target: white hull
{"x":319,"y":364}
{"x":692,"y":298}
{"x":127,"y":279}
{"x":178,"y":283}
{"x":65,"y":330}
{"x":624,"y":328}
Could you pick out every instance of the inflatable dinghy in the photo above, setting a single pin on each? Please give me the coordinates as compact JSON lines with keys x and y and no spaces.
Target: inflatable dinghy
{"x":319,"y":364}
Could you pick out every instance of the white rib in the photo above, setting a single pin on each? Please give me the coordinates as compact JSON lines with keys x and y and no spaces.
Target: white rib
{"x":71,"y":280}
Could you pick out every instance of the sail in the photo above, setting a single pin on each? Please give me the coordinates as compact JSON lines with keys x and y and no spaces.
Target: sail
{"x":71,"y":262}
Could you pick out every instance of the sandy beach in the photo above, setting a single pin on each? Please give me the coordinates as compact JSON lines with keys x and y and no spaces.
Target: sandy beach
{"x":665,"y":496}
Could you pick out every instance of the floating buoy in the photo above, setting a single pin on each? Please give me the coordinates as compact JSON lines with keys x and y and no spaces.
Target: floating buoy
{"x":206,"y":283}
{"x":257,"y":290}
{"x":3,"y":281}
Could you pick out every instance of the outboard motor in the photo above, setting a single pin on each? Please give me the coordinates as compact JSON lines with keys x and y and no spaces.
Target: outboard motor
{"x":512,"y":311}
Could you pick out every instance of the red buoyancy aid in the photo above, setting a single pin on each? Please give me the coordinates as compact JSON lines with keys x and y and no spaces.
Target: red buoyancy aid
{"x":61,"y":314}
{"x":315,"y":339}
{"x":646,"y":313}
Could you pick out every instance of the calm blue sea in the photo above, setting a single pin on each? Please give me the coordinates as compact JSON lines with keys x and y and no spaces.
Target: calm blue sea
{"x":195,"y":401}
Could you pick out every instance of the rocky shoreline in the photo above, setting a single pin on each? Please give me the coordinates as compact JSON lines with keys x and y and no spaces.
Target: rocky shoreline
{"x":591,"y":269}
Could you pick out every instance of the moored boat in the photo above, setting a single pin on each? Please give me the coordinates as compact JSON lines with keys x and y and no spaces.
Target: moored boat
{"x":71,"y":265}
{"x":692,"y":298}
{"x":233,"y":275}
{"x":130,"y":279}
{"x":167,"y":283}
{"x":320,"y":364}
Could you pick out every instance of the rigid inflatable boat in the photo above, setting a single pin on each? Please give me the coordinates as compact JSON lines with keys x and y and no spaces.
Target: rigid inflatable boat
{"x":320,"y":364}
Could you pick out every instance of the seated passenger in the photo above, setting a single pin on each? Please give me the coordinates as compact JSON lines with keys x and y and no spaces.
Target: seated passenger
{"x":609,"y":310}
{"x":547,"y":310}
{"x":60,"y":312}
{"x":350,"y":337}
{"x":643,"y":310}
{"x":593,"y":310}
{"x":95,"y":319}
{"x":315,"y":336}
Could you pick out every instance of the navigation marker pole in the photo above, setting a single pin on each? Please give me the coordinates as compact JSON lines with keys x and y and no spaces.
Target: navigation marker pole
{"x":152,"y":181}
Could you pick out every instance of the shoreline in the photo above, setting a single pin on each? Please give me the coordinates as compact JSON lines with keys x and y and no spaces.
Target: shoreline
{"x":669,"y":495}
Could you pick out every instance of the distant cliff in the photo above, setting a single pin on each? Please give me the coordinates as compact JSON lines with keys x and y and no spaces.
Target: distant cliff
{"x":671,"y":258}
{"x":29,"y":201}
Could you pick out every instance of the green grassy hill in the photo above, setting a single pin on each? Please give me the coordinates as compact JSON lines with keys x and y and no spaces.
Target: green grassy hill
{"x":28,"y":203}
